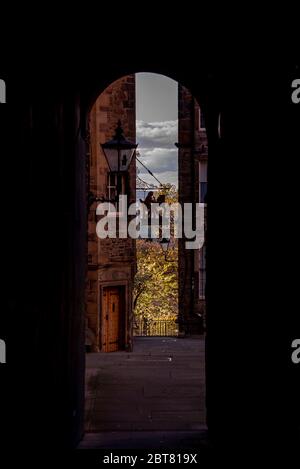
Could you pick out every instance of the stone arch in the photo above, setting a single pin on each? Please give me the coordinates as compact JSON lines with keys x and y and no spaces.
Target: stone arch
{"x":49,"y":150}
{"x":189,"y":197}
{"x":203,"y":88}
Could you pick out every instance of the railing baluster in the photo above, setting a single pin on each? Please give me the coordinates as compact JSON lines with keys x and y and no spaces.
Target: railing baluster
{"x":152,"y":328}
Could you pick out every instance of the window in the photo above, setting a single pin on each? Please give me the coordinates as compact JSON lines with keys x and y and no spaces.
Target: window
{"x":117,"y":185}
{"x":112,"y":185}
{"x":201,"y":120}
{"x":202,"y":272}
{"x":203,"y":192}
{"x":203,"y":181}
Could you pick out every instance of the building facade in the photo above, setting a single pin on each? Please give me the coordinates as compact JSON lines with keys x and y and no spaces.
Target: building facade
{"x":192,"y":174}
{"x":111,"y":262}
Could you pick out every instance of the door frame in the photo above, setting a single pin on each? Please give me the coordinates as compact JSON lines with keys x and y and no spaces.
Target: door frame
{"x":123,"y":285}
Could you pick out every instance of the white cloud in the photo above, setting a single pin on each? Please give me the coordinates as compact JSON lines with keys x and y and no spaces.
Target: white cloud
{"x":157,"y":150}
{"x":159,"y":159}
{"x":157,"y":134}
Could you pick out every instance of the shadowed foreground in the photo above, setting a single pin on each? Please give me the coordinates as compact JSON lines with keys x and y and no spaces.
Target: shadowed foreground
{"x":153,"y":397}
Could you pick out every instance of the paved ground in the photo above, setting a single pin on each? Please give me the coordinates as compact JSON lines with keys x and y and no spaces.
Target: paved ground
{"x":152,"y":396}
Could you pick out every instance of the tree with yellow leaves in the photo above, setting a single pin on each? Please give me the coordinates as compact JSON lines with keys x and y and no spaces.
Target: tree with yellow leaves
{"x":156,"y":282}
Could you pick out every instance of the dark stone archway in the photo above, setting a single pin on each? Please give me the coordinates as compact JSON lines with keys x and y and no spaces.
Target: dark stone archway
{"x":47,"y":121}
{"x":44,"y":249}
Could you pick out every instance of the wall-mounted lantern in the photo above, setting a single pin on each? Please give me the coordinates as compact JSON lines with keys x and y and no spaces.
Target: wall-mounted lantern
{"x":118,"y":153}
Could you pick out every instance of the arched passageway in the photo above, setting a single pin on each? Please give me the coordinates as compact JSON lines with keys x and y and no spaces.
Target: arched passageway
{"x":44,"y":308}
{"x":50,"y":307}
{"x":111,"y":310}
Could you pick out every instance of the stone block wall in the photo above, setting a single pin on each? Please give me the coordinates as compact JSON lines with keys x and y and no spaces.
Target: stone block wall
{"x":108,"y":255}
{"x":192,"y":148}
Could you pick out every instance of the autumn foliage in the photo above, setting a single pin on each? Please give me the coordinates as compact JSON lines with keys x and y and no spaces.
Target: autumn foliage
{"x":156,"y":281}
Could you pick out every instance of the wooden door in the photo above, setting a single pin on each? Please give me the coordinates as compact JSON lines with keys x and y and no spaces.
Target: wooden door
{"x":110,"y":320}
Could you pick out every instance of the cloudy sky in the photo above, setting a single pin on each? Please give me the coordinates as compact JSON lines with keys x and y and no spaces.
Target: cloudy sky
{"x":157,"y":126}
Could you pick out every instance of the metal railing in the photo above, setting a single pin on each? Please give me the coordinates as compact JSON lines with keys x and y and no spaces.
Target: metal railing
{"x":155,"y":328}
